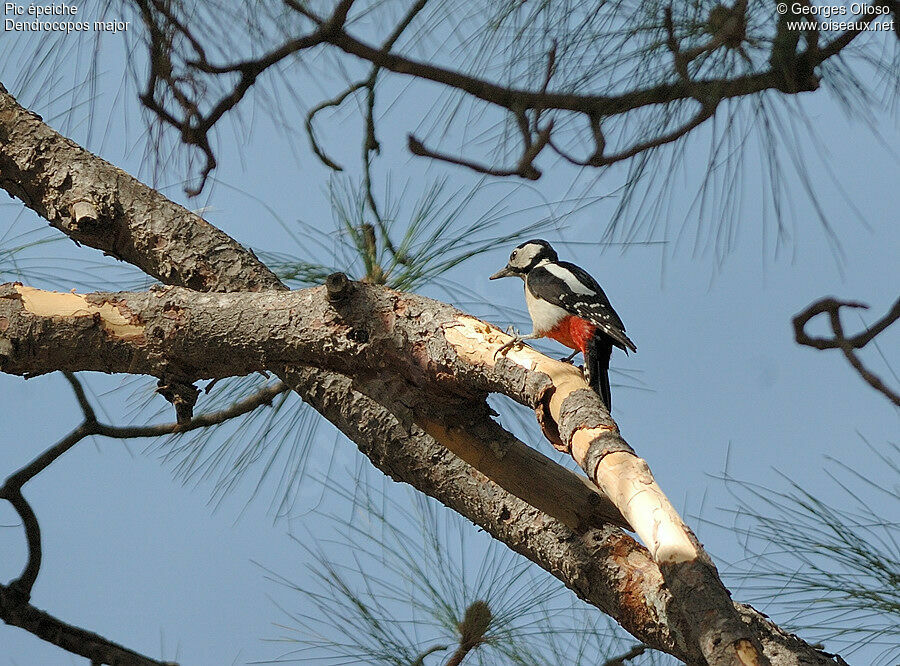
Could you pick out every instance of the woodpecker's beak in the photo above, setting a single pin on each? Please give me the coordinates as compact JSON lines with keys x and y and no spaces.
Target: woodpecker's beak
{"x":503,"y":272}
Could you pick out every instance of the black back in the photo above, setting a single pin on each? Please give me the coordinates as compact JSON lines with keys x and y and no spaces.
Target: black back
{"x":594,"y":308}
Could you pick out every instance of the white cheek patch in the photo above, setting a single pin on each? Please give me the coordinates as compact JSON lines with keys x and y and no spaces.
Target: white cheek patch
{"x":571,"y":281}
{"x":525,"y":255}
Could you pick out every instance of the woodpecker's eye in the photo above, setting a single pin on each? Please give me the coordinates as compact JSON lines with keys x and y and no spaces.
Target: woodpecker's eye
{"x":513,"y":255}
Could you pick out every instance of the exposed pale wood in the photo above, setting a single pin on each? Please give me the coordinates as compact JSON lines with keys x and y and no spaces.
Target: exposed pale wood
{"x":188,"y":337}
{"x":570,"y":498}
{"x":627,"y":481}
{"x":54,"y":304}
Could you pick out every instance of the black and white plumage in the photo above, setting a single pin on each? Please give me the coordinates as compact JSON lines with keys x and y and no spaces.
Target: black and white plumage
{"x":568,"y":305}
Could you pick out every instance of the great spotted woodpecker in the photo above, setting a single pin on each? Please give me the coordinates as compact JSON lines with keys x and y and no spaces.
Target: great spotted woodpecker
{"x":567,"y":304}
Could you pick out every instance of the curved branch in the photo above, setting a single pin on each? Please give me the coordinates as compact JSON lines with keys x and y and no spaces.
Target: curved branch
{"x":311,"y":132}
{"x":706,"y":112}
{"x":14,"y":597}
{"x":840,"y":341}
{"x":524,"y":169}
{"x":22,"y":585}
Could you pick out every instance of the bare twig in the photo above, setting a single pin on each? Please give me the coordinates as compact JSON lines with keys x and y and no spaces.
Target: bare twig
{"x":524,"y":169}
{"x":706,"y":112}
{"x":680,"y":62}
{"x":370,"y":141}
{"x":73,"y":639}
{"x":310,"y":130}
{"x":840,"y":341}
{"x":860,"y":25}
{"x":791,"y":75}
{"x":420,"y":660}
{"x":194,"y":125}
{"x":370,"y":138}
{"x":14,"y":597}
{"x":635,"y":651}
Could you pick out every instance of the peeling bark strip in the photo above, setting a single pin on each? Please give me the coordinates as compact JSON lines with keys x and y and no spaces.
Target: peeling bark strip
{"x":577,"y":421}
{"x":604,"y":566}
{"x":374,"y":331}
{"x":571,"y":499}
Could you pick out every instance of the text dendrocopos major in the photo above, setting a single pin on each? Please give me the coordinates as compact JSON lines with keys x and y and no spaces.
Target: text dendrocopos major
{"x":567,"y":305}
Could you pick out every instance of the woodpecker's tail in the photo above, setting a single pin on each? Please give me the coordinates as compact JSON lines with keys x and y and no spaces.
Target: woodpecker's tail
{"x":596,"y":362}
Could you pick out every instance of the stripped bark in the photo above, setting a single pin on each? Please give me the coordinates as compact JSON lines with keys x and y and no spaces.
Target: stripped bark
{"x":602,"y":565}
{"x":397,"y":342}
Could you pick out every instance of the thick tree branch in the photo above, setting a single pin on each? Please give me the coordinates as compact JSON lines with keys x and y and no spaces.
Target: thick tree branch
{"x":134,"y":223}
{"x":516,"y":98}
{"x":370,"y":331}
{"x":603,"y":566}
{"x":546,"y":541}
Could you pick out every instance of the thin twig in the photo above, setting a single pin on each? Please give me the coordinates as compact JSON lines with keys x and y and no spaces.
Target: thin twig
{"x":14,"y":597}
{"x":706,"y":112}
{"x":790,"y":77}
{"x":310,"y":130}
{"x":840,"y":341}
{"x":370,"y":140}
{"x":73,"y":639}
{"x":524,"y":169}
{"x":635,"y":651}
{"x":12,"y":488}
{"x":420,"y":660}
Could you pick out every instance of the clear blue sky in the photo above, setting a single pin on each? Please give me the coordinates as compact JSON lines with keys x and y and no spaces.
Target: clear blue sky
{"x":137,"y":556}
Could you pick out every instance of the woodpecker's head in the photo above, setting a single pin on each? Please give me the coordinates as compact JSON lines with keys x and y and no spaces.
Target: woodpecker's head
{"x":525,"y":257}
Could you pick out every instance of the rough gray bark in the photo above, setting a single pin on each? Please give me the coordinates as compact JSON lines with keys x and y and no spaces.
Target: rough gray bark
{"x":604,"y":565}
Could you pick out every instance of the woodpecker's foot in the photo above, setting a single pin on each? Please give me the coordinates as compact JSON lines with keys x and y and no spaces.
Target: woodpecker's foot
{"x":515,"y":342}
{"x":570,"y":357}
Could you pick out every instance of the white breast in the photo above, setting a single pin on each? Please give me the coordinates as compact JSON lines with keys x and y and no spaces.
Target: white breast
{"x":544,"y":315}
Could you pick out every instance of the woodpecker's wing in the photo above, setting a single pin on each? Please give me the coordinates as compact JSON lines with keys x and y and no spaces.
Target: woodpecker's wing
{"x":575,"y":291}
